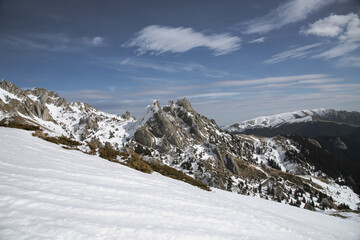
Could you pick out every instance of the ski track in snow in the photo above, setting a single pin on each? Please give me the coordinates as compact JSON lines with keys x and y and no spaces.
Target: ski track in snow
{"x":47,"y":192}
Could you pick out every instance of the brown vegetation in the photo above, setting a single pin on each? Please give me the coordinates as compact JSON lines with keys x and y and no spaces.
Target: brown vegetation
{"x":58,"y":140}
{"x":134,"y":161}
{"x":13,"y":124}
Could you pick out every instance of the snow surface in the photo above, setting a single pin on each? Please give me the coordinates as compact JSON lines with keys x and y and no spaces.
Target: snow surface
{"x":5,"y":94}
{"x":276,"y":120}
{"x":47,"y":192}
{"x":342,"y":194}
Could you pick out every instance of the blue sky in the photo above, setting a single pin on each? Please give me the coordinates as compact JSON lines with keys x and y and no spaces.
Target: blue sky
{"x":234,"y":60}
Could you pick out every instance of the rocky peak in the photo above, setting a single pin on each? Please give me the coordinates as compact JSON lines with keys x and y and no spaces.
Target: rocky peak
{"x":11,"y":88}
{"x":155,"y":124}
{"x":183,"y":102}
{"x":126,"y":115}
{"x":45,"y":96}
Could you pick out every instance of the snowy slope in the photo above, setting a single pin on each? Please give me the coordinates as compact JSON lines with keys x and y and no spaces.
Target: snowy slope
{"x":277,"y":120}
{"x":47,"y":192}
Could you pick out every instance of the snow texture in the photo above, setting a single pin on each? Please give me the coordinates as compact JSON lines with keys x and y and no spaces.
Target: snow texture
{"x":47,"y":192}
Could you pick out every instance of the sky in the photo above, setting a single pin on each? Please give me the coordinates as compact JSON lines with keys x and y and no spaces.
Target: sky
{"x":234,"y":60}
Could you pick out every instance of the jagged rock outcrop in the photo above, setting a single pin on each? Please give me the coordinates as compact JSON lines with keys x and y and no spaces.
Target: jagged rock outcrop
{"x":145,"y":137}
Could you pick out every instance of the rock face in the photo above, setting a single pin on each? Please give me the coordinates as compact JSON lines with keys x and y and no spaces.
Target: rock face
{"x":178,"y":136}
{"x":145,"y":137}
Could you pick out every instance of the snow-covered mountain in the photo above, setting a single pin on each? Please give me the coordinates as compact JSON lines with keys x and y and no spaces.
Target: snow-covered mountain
{"x":47,"y":192}
{"x":277,"y":120}
{"x":296,"y":117}
{"x":76,"y":120}
{"x":176,"y":135}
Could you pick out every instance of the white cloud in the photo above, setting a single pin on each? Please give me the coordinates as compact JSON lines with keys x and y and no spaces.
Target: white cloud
{"x":346,"y":30}
{"x":345,"y":27}
{"x":331,"y":26}
{"x":289,"y":12}
{"x":97,"y":41}
{"x":161,"y":39}
{"x":258,"y":40}
{"x":295,"y":53}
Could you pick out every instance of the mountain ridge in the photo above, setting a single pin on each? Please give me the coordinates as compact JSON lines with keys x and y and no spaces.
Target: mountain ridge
{"x":303,"y":116}
{"x":177,"y":136}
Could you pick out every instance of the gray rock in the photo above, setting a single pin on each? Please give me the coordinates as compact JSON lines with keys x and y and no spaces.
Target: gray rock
{"x":185,"y":104}
{"x":325,"y":203}
{"x":126,"y":115}
{"x":145,"y":137}
{"x":314,"y":142}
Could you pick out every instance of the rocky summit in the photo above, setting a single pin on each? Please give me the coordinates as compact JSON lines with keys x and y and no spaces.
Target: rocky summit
{"x":282,"y":168}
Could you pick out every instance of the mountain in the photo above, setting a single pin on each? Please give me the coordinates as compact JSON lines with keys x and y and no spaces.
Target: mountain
{"x":176,"y":136}
{"x":75,"y":120}
{"x":306,"y":123}
{"x":48,"y":192}
{"x":331,"y":137}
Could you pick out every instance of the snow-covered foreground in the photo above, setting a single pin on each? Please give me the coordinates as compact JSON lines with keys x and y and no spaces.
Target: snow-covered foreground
{"x":47,"y":192}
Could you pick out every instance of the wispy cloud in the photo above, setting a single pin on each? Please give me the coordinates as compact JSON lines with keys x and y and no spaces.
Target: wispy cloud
{"x":349,"y":61}
{"x":52,"y":42}
{"x":345,"y":30}
{"x":258,"y":40}
{"x":289,"y":12}
{"x":214,"y":95}
{"x":271,"y":80}
{"x":95,"y":41}
{"x":339,"y":50}
{"x":163,"y":39}
{"x":294,"y":53}
{"x":121,"y":64}
{"x":343,"y":33}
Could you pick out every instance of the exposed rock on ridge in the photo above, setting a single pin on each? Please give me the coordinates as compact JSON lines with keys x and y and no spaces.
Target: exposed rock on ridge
{"x":178,"y":136}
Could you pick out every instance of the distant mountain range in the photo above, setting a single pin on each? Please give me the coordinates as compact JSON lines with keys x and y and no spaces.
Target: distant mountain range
{"x":280,"y":168}
{"x":306,"y":123}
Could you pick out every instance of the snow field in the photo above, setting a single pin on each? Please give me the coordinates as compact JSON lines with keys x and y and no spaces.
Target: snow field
{"x":47,"y":192}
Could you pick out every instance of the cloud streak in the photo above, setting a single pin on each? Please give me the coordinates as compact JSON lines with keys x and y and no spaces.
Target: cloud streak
{"x":125,"y":64}
{"x":294,"y":53}
{"x":51,"y":42}
{"x":163,"y":39}
{"x":271,"y":80}
{"x":258,"y":40}
{"x":289,"y":12}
